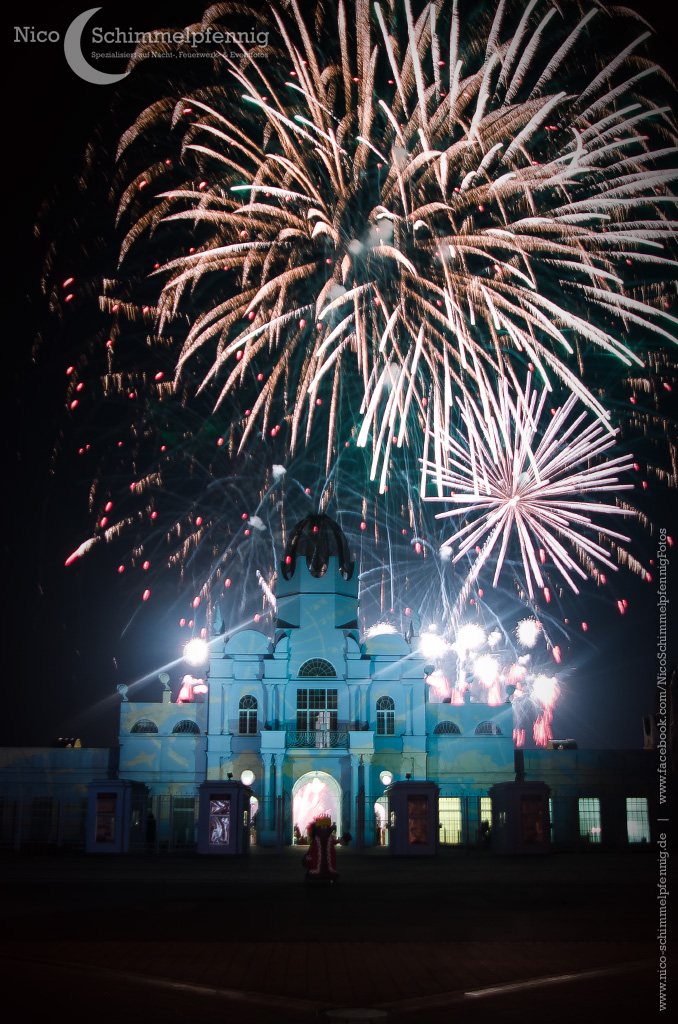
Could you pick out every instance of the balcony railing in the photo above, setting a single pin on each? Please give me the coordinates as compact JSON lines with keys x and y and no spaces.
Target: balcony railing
{"x":320,"y":739}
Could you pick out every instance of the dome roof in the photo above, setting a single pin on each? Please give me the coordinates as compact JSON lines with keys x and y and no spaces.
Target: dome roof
{"x":317,"y":538}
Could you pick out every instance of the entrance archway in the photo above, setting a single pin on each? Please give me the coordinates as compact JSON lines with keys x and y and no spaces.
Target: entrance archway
{"x":315,"y":795}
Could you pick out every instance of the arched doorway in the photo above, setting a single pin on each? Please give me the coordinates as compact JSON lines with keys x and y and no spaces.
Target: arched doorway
{"x":315,"y":795}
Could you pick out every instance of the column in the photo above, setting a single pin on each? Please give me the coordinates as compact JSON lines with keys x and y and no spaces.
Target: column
{"x":355,"y":783}
{"x":369,"y":800}
{"x":279,"y":818}
{"x":407,"y":687}
{"x":266,"y":813}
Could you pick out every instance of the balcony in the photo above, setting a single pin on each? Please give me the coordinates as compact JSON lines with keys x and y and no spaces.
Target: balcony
{"x":319,"y":739}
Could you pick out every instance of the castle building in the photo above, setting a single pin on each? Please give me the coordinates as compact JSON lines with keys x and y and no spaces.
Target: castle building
{"x":315,"y":722}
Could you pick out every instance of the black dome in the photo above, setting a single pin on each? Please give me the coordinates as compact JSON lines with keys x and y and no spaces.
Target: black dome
{"x":318,"y":538}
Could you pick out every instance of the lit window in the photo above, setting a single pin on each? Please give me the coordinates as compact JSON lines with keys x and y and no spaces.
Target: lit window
{"x":144,"y":726}
{"x":247,"y":715}
{"x":316,"y":668}
{"x":385,"y":716}
{"x":589,"y":819}
{"x":637,"y":819}
{"x":449,"y":819}
{"x":486,"y":810}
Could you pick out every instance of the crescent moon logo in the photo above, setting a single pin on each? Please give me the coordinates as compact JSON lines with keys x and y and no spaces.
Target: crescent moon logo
{"x":74,"y":55}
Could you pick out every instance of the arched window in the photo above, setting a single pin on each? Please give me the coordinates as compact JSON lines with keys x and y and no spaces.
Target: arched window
{"x":316,"y":668}
{"x":447,"y":729}
{"x":247,"y":718}
{"x":144,"y":725}
{"x":385,"y":716}
{"x":488,"y":729}
{"x":186,"y":726}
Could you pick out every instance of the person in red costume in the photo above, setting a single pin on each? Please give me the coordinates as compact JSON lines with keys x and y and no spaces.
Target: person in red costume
{"x":321,"y":859}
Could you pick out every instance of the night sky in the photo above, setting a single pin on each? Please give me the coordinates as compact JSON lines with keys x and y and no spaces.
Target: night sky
{"x":74,"y":633}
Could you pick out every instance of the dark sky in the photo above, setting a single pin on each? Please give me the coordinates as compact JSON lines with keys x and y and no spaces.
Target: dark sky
{"x":64,"y":625}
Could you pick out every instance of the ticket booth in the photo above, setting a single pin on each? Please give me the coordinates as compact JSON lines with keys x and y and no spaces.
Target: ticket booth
{"x":520,"y":818}
{"x":223,"y":818}
{"x":116,"y":810}
{"x":413,"y":818}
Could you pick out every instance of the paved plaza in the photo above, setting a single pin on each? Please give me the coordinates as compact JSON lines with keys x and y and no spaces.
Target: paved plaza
{"x":463,"y":937}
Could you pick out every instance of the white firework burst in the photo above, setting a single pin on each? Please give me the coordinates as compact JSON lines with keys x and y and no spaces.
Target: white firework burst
{"x":401,"y":194}
{"x":508,"y":476}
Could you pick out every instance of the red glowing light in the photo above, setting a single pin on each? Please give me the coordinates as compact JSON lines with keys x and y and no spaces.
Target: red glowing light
{"x":288,"y":559}
{"x":146,"y":594}
{"x":220,"y":441}
{"x":238,"y":354}
{"x":103,"y":521}
{"x":667,"y":387}
{"x":302,"y":323}
{"x":363,"y":526}
{"x":196,"y":602}
{"x":190,"y":623}
{"x":198,"y":520}
{"x":143,"y":183}
{"x":247,"y":533}
{"x":542,"y":555}
{"x":417,"y":547}
{"x":109,"y":343}
{"x":556,"y":655}
{"x":182,"y":622}
{"x":227,"y":583}
{"x":69,"y":297}
{"x":307,"y":490}
{"x":159,"y":375}
{"x":74,"y":403}
{"x":408,"y":611}
{"x":121,"y":568}
{"x":154,"y":515}
{"x":547,"y":595}
{"x":203,"y":184}
{"x":260,"y":376}
{"x":250,"y":315}
{"x":257,"y":617}
{"x":69,"y":280}
{"x":79,"y":387}
{"x":318,"y":401}
{"x":108,"y":506}
{"x":69,"y":369}
{"x":584,"y":626}
{"x":244,"y":515}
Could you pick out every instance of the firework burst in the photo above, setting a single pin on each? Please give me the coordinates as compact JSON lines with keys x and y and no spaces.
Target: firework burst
{"x":513,"y":477}
{"x":334,"y":242}
{"x":393,"y":199}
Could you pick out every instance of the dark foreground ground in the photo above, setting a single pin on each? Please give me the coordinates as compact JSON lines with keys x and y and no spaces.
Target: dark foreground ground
{"x":465,"y":937}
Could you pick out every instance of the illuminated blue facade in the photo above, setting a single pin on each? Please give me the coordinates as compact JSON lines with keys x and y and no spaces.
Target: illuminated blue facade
{"x":314,"y":710}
